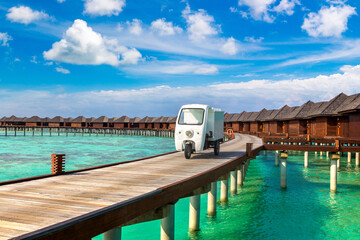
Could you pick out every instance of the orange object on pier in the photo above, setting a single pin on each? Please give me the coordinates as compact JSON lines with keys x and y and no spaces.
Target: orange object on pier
{"x":57,"y":163}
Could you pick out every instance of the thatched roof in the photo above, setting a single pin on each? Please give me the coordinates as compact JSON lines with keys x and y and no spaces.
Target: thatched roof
{"x":234,"y":117}
{"x":56,"y":119}
{"x":90,"y":120}
{"x":171,"y":120}
{"x":134,"y":120}
{"x":79,"y":119}
{"x":67,"y":120}
{"x":284,"y":113}
{"x":101,"y":119}
{"x":112,"y":120}
{"x":351,"y":103}
{"x":123,"y":119}
{"x":33,"y":119}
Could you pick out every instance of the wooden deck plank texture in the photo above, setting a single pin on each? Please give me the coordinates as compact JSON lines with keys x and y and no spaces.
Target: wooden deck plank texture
{"x":59,"y":201}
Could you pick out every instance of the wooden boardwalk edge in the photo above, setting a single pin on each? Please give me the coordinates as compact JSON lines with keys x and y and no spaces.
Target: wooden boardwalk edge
{"x":115,"y":215}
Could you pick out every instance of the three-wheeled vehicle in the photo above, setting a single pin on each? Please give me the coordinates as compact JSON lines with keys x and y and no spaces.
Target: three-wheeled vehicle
{"x":199,"y":127}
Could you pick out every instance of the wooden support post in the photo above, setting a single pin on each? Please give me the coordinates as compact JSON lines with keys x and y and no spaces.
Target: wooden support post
{"x":349,"y":157}
{"x":224,"y":189}
{"x":240,"y":175}
{"x":168,"y":225}
{"x":283,"y":167}
{"x":50,"y":131}
{"x":24,"y":131}
{"x":212,"y":197}
{"x":276,"y":158}
{"x":357,"y":159}
{"x":194,"y":213}
{"x":233,"y":182}
{"x":306,"y":159}
{"x":33,"y":131}
{"x":338,"y":163}
{"x":113,"y":234}
{"x":15,"y":131}
{"x":42,"y":132}
{"x":5,"y":131}
{"x":333,"y":172}
{"x":248,"y":149}
{"x":321,"y":152}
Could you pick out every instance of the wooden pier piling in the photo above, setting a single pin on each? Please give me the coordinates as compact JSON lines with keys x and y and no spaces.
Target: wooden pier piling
{"x":168,"y":224}
{"x":194,"y":213}
{"x":335,"y":158}
{"x":233,"y":182}
{"x":306,"y":159}
{"x":283,"y":170}
{"x":212,"y":200}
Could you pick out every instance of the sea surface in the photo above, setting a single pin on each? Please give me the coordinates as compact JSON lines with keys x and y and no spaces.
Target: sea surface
{"x":260,"y":210}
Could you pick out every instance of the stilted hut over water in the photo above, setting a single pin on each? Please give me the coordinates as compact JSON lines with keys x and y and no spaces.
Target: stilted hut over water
{"x":337,"y":118}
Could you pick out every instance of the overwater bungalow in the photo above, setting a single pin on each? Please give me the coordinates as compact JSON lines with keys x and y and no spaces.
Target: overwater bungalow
{"x":144,"y":123}
{"x":67,"y":121}
{"x":78,"y":122}
{"x":101,"y":122}
{"x":112,"y":122}
{"x":122,"y":122}
{"x":45,"y":121}
{"x":171,"y":123}
{"x":56,"y":122}
{"x":89,"y":122}
{"x":34,"y":121}
{"x":134,"y":122}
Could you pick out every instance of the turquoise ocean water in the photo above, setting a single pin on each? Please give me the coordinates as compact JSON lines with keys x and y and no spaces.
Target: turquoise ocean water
{"x":260,"y":210}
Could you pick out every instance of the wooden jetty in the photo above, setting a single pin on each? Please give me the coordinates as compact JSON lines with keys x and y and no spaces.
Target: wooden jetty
{"x":76,"y":131}
{"x":83,"y":204}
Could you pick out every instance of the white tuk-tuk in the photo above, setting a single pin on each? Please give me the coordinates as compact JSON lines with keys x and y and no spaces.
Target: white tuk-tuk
{"x":199,"y":127}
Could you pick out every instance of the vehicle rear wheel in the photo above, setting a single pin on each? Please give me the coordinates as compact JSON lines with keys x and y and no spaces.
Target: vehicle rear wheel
{"x":217,"y":148}
{"x":187,"y":151}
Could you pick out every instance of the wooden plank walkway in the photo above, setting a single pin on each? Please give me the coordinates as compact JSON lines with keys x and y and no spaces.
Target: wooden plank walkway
{"x":62,"y":206}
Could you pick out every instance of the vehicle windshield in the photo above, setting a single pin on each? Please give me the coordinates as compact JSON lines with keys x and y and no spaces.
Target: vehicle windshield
{"x":191,"y":116}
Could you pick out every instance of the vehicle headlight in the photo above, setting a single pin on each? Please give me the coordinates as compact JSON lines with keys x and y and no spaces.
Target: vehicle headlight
{"x":189,"y":133}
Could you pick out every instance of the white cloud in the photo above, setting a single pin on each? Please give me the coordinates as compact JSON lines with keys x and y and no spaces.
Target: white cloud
{"x":62,"y":70}
{"x":262,"y":10}
{"x":230,"y":47}
{"x":17,"y":60}
{"x":199,"y":24}
{"x":61,"y":1}
{"x":4,"y":38}
{"x":252,"y":39}
{"x":166,"y":100}
{"x":164,"y":28}
{"x":104,"y":7}
{"x":81,"y":45}
{"x":329,"y":21}
{"x":175,"y":68}
{"x":259,"y":9}
{"x":208,"y":70}
{"x":25,"y":15}
{"x":33,"y":60}
{"x":130,"y":56}
{"x":286,"y":6}
{"x":349,"y":49}
{"x":135,"y":27}
{"x":245,"y":75}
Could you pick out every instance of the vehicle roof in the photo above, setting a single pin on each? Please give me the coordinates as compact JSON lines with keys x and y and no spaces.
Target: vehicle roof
{"x":195,"y":106}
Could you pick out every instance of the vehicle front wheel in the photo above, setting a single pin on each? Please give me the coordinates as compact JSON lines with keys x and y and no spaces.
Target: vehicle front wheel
{"x":217,"y":148}
{"x":188,"y":150}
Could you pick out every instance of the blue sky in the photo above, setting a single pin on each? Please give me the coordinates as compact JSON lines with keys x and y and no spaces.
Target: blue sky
{"x":115,"y":57}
